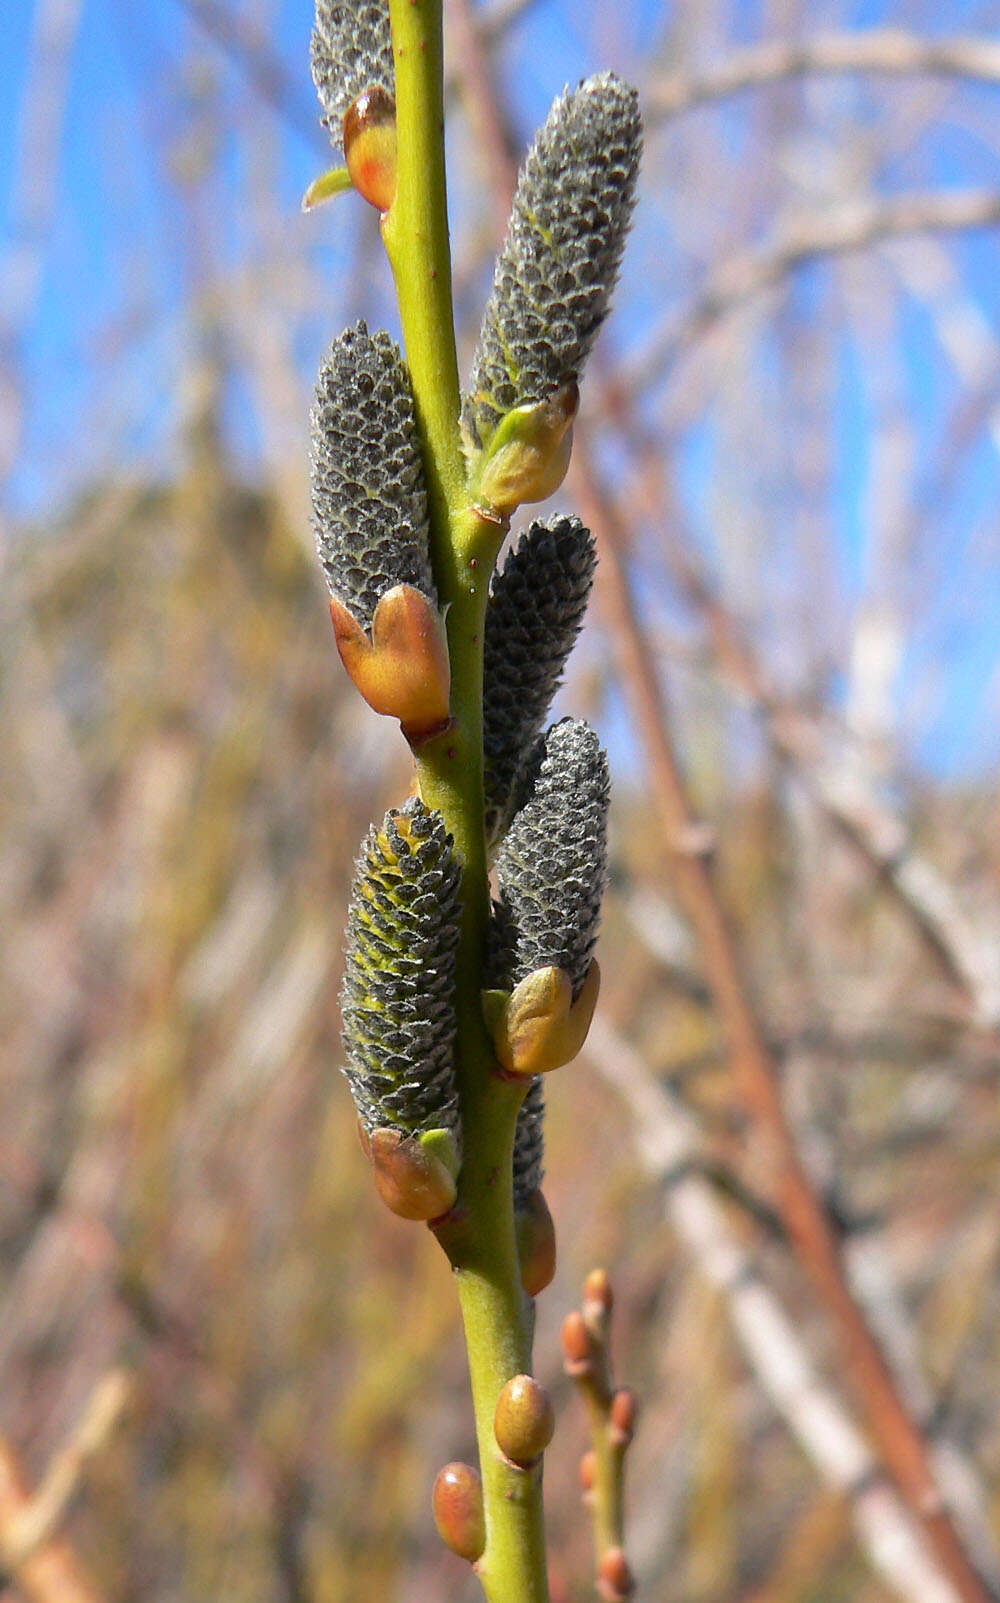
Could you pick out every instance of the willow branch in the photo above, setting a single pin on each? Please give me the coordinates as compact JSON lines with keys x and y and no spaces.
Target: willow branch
{"x":479,"y":1233}
{"x":44,"y":1564}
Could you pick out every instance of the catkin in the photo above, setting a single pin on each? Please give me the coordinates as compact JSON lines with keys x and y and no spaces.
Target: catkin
{"x":398,"y":998}
{"x":536,"y":608}
{"x":551,"y":868}
{"x":350,"y":51}
{"x":560,"y":258}
{"x":368,"y":492}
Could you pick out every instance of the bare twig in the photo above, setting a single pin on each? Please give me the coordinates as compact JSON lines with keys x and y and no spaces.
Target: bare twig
{"x":888,"y":51}
{"x":44,"y":1564}
{"x":611,"y":1412}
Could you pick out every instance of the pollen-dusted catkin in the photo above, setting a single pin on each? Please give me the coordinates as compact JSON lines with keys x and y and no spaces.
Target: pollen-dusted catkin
{"x":398,"y":998}
{"x":559,"y":262}
{"x":350,"y":51}
{"x":529,"y":1144}
{"x":535,"y":612}
{"x":368,"y":492}
{"x":551,"y":867}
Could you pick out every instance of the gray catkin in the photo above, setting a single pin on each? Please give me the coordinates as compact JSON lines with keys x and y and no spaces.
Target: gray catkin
{"x":368,"y":492}
{"x":398,"y":996}
{"x":350,"y":51}
{"x":560,"y":258}
{"x":552,"y":866}
{"x":537,"y":603}
{"x":529,"y":1143}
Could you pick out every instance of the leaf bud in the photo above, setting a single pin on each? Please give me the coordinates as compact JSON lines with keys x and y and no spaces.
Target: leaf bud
{"x":536,"y":607}
{"x":528,"y":456}
{"x":415,"y":1175}
{"x":577,"y":1345}
{"x":524,"y":1421}
{"x":588,"y":1470}
{"x":458,"y":1510}
{"x":370,"y":147}
{"x":624,"y":1410}
{"x":614,"y":1578}
{"x":539,"y":1026}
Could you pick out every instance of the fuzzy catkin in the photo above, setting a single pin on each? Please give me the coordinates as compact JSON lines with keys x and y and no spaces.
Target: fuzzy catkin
{"x":560,"y":258}
{"x":398,"y":997}
{"x":529,"y":1144}
{"x":535,"y":611}
{"x":350,"y":51}
{"x":368,"y":492}
{"x":552,"y":865}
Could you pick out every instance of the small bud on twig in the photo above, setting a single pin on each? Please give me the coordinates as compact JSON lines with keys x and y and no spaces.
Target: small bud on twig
{"x":524,"y":1421}
{"x":612,"y":1416}
{"x":614,"y":1578}
{"x":578,"y":1344}
{"x":458,"y":1510}
{"x":370,"y":147}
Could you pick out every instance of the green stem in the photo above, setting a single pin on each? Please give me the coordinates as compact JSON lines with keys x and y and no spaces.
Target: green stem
{"x":479,"y":1234}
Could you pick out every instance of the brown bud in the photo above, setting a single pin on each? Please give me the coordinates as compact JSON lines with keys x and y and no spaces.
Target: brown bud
{"x":578,"y":1344}
{"x":403,"y":671}
{"x":614,"y":1578}
{"x":370,"y":147}
{"x":536,"y":1244}
{"x":597,"y":1289}
{"x":409,"y":1177}
{"x":588,"y":1470}
{"x":624,"y":1409}
{"x":458,"y":1510}
{"x":524,"y":1421}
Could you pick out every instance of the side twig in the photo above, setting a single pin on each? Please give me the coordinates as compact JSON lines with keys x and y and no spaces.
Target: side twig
{"x":586,"y":1338}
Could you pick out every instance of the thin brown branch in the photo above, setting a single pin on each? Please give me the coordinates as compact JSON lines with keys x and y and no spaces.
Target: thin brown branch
{"x":885,"y":51}
{"x":43,"y":1563}
{"x":749,"y":273}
